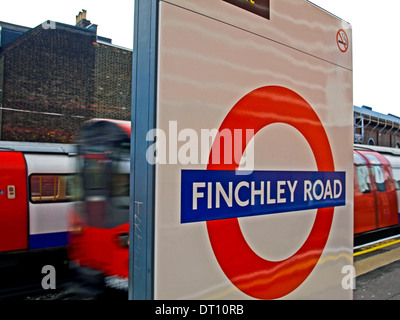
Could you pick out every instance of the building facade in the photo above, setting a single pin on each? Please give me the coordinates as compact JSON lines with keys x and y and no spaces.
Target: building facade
{"x":374,"y":128}
{"x":56,"y":76}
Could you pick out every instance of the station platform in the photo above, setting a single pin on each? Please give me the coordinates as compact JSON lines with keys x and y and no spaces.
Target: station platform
{"x":378,"y":271}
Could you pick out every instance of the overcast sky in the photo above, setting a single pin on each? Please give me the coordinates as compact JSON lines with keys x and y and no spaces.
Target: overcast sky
{"x":376,"y":28}
{"x":376,"y":50}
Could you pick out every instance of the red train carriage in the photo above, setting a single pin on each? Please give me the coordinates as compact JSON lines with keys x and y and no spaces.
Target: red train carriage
{"x":376,"y":188}
{"x":99,"y":227}
{"x":36,"y":192}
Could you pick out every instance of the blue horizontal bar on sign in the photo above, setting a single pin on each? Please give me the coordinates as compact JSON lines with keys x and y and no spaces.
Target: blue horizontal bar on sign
{"x":221,"y":194}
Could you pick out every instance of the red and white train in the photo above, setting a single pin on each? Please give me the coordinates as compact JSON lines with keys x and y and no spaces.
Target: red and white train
{"x":36,"y":193}
{"x":376,"y":188}
{"x":100,"y":224}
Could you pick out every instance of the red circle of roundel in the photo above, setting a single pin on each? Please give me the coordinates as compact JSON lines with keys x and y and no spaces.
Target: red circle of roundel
{"x":253,"y":275}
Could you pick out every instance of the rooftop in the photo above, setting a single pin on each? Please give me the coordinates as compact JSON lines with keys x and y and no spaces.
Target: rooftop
{"x":377,"y":116}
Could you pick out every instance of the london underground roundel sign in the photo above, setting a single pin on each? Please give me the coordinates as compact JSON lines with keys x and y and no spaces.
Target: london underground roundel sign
{"x":250,"y":273}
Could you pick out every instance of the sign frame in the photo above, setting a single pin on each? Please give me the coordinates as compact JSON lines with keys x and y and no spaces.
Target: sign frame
{"x":142,"y":174}
{"x":142,"y":236}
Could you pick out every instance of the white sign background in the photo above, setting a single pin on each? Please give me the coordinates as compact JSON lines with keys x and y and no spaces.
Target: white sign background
{"x":211,"y":54}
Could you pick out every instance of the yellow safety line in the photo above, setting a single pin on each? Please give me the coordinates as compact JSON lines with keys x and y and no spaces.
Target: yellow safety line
{"x":375,"y":248}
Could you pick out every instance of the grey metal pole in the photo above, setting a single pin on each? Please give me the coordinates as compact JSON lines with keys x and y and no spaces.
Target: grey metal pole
{"x":142,"y":174}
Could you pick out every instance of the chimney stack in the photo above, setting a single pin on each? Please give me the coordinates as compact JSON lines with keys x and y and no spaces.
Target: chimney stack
{"x":81,"y":19}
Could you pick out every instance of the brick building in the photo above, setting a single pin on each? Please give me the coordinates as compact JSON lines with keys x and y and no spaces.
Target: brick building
{"x":374,"y":128}
{"x":56,"y":76}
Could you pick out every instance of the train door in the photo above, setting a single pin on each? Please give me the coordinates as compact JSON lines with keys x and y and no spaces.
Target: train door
{"x":13,"y":202}
{"x":365,"y":218}
{"x":385,"y":190}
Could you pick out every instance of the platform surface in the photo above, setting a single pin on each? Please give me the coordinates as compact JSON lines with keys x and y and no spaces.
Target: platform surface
{"x":378,"y":272}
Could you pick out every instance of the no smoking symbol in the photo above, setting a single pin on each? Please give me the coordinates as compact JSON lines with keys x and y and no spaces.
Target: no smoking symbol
{"x":342,"y":40}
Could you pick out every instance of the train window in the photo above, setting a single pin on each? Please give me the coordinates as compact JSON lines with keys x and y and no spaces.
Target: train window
{"x":379,"y":177}
{"x":120,"y":181}
{"x":362,"y":174}
{"x":51,"y":188}
{"x":77,"y":187}
{"x":377,"y":170}
{"x":95,"y":171}
{"x":120,"y":189}
{"x":363,"y":178}
{"x":396,"y":177}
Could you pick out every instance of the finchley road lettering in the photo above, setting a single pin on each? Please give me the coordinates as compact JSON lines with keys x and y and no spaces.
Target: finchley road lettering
{"x":217,"y":194}
{"x":214,"y":195}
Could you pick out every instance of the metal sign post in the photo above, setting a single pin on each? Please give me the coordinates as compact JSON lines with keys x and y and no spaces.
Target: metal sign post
{"x":144,"y":88}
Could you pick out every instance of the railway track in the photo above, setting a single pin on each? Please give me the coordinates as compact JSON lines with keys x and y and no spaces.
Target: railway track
{"x":375,"y":235}
{"x":35,"y":291}
{"x":21,"y":273}
{"x":68,"y":287}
